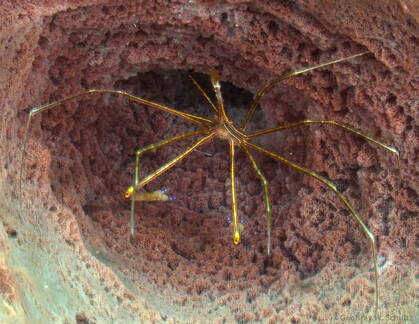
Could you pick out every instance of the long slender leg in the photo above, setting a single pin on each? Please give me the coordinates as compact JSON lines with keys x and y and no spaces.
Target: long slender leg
{"x":204,"y":94}
{"x":203,"y":122}
{"x":345,"y":201}
{"x":131,"y":191}
{"x":329,"y":122}
{"x":171,"y":163}
{"x":284,"y":76}
{"x":265,"y":197}
{"x":236,"y":220}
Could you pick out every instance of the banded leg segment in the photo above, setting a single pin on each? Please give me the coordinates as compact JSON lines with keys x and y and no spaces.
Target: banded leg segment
{"x":345,"y":201}
{"x":131,"y":192}
{"x":235,"y":222}
{"x":327,"y":122}
{"x":200,"y":121}
{"x":177,"y":159}
{"x":285,"y":76}
{"x":265,"y":197}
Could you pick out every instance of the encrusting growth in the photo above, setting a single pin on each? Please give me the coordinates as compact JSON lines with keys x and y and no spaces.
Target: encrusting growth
{"x":222,"y":127}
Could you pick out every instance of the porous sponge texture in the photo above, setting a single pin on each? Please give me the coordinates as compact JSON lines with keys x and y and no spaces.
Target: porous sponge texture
{"x":66,"y":256}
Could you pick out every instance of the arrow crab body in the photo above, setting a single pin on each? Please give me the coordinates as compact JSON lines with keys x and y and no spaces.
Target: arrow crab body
{"x":224,"y":128}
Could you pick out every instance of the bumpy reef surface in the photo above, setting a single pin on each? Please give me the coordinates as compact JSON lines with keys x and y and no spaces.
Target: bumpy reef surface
{"x":65,"y":253}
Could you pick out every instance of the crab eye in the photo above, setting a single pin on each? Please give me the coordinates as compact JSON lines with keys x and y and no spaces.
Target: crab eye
{"x":128,"y":193}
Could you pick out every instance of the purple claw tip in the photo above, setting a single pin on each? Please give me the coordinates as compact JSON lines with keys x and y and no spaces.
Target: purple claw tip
{"x":165,"y":190}
{"x":172,"y":198}
{"x":229,"y":220}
